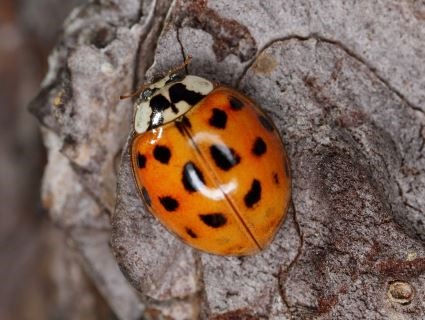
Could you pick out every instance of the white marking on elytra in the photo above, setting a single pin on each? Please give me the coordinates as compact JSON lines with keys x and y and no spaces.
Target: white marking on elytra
{"x":223,"y":189}
{"x":214,"y":139}
{"x":208,"y":137}
{"x":211,"y":193}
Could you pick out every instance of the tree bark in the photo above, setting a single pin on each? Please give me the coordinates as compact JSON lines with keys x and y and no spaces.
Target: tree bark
{"x":344,"y":83}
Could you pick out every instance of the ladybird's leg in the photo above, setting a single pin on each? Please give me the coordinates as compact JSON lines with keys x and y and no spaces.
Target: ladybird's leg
{"x":181,"y":66}
{"x":136,"y":93}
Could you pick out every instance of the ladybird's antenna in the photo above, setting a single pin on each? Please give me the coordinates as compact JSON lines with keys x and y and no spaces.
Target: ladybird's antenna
{"x":181,"y":66}
{"x":172,"y":71}
{"x":130,"y":95}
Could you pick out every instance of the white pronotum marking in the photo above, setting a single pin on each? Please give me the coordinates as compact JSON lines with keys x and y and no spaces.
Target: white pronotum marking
{"x":143,"y":112}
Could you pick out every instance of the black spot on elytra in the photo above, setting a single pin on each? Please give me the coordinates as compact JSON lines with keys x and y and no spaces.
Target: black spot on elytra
{"x":259,"y":148}
{"x":266,"y":123}
{"x":254,"y":194}
{"x":179,"y":127}
{"x":146,"y":196}
{"x":192,"y":176}
{"x":275,"y":178}
{"x":162,"y":154}
{"x":235,"y":103}
{"x":141,"y":160}
{"x":191,"y":233}
{"x":186,"y":122}
{"x":159,"y":103}
{"x":179,"y":92}
{"x":169,"y":203}
{"x":218,"y":118}
{"x":225,"y":158}
{"x":183,"y":123}
{"x":213,"y":220}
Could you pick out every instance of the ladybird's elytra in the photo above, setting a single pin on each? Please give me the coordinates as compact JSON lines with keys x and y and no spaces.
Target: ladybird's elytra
{"x":210,"y":165}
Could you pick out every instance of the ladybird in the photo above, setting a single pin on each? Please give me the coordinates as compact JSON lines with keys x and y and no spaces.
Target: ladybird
{"x":209,"y":164}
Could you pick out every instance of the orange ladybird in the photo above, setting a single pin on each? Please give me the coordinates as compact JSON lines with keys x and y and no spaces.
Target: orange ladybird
{"x":210,"y":165}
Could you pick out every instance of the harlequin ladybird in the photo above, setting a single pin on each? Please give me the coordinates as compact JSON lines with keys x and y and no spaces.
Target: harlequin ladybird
{"x":209,"y":164}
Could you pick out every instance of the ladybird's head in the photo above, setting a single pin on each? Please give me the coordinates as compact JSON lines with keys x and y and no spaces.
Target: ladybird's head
{"x":168,"y":99}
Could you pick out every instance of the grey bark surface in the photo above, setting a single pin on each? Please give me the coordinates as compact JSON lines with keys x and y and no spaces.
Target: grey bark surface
{"x":344,"y":83}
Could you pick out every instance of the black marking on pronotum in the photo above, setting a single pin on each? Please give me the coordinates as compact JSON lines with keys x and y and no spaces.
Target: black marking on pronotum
{"x":225,"y":158}
{"x":213,"y":220}
{"x":275,"y":178}
{"x":265,"y":122}
{"x":254,"y":194}
{"x":191,"y":233}
{"x":178,"y":92}
{"x":141,"y":160}
{"x":235,"y":103}
{"x":162,"y":154}
{"x":218,"y":118}
{"x":174,"y":108}
{"x":259,"y":148}
{"x":190,"y":173}
{"x":159,"y":103}
{"x":169,"y":203}
{"x":146,"y":196}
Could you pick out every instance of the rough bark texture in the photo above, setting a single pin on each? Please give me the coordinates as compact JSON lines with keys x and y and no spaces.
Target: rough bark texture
{"x":41,"y":278}
{"x":343,"y":81}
